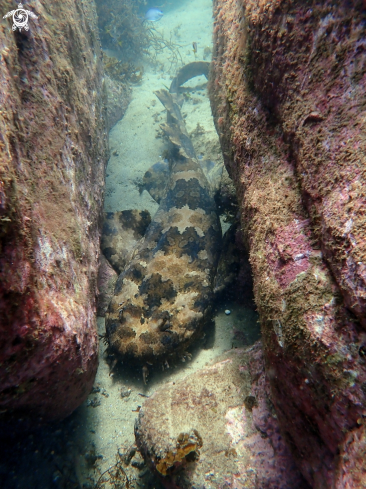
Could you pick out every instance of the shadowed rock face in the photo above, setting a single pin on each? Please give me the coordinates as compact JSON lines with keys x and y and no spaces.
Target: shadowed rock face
{"x":216,"y":428}
{"x":288,"y":92}
{"x":52,"y":160}
{"x":165,"y":292}
{"x":107,"y":278}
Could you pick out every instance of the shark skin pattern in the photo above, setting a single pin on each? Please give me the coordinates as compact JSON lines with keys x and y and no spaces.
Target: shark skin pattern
{"x":121,"y":231}
{"x":164,"y":294}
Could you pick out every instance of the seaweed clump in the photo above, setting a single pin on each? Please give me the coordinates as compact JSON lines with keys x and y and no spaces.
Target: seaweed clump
{"x":122,"y":71}
{"x":115,"y":477}
{"x":159,"y":45}
{"x":123,"y":33}
{"x":121,"y":28}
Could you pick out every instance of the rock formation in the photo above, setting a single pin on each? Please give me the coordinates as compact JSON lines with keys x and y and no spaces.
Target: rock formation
{"x":288,"y":92}
{"x":218,"y":425}
{"x":52,"y":158}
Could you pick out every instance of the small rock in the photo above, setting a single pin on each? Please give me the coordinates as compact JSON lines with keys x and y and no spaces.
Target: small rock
{"x":125,"y":392}
{"x":95,"y":402}
{"x":95,"y":389}
{"x":228,"y":407}
{"x":227,"y":312}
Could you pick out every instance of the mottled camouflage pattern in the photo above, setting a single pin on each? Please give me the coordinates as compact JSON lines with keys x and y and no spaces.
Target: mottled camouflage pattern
{"x":157,"y":176}
{"x":121,"y":231}
{"x":155,"y":180}
{"x":165,"y":292}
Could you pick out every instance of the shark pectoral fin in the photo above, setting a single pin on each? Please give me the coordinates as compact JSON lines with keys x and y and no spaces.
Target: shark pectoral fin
{"x":121,"y":232}
{"x":155,"y":179}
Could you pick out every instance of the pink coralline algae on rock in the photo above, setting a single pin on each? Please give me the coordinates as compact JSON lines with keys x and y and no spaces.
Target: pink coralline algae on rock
{"x":52,"y":159}
{"x":216,"y":428}
{"x":288,"y":93}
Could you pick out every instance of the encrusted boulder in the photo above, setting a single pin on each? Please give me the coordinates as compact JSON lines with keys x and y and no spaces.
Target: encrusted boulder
{"x":53,"y":149}
{"x":216,"y":428}
{"x":288,"y":93}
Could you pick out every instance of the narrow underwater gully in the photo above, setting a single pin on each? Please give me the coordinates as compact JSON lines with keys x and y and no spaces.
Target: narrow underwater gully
{"x":206,"y":198}
{"x":137,"y":203}
{"x":95,"y":446}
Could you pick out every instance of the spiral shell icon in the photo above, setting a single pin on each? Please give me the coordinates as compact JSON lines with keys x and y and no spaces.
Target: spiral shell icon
{"x":20,"y":18}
